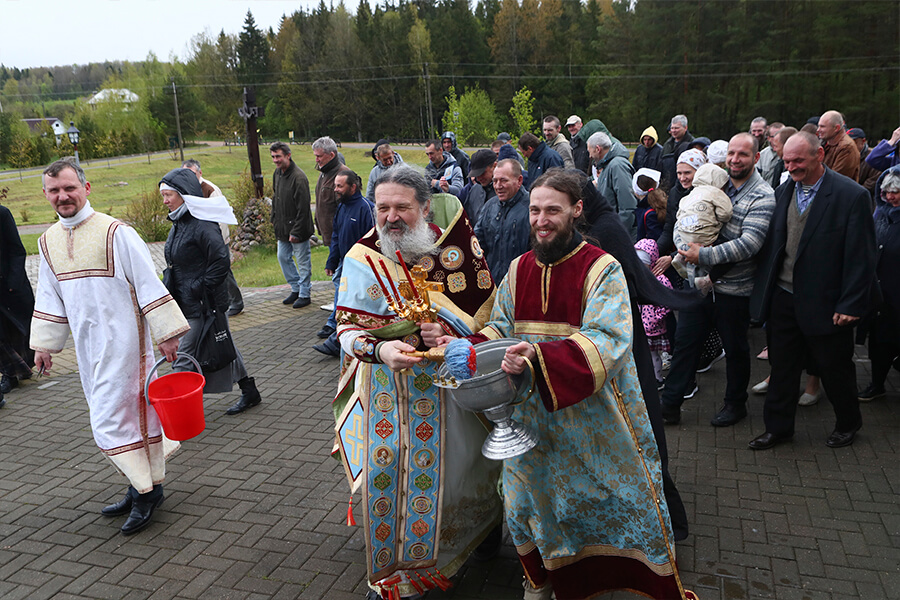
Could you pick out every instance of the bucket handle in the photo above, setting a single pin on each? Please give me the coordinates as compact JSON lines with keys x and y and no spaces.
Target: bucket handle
{"x":160,"y":362}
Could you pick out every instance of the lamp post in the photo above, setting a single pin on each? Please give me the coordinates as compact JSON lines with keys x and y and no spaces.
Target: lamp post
{"x":73,"y":132}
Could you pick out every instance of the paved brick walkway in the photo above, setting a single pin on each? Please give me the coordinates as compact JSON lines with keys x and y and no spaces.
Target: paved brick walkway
{"x":255,"y":507}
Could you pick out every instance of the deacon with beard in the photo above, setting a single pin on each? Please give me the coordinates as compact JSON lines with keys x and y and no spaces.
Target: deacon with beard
{"x":585,"y":507}
{"x":428,"y":495}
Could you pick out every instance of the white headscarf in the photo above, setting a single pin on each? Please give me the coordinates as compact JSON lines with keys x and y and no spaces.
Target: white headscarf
{"x":215,"y":209}
{"x":651,"y":173}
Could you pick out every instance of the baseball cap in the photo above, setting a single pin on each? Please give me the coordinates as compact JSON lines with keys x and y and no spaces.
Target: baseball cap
{"x":504,"y":136}
{"x":481,"y":160}
{"x":856,"y":134}
{"x":572,"y":120}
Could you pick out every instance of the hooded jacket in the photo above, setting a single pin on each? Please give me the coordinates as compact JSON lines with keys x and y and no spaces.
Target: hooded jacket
{"x":614,"y":174}
{"x":580,"y":153}
{"x":887,"y":240}
{"x":702,"y":213}
{"x":650,"y":158}
{"x":291,"y":212}
{"x":462,"y":159}
{"x":448,"y":169}
{"x":375,"y":173}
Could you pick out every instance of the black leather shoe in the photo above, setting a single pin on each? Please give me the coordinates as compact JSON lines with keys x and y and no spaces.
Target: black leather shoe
{"x":235,"y":310}
{"x":729,"y":415}
{"x":291,"y":298}
{"x":325,"y":332}
{"x":767,"y":440}
{"x":142,"y":508}
{"x":301,"y":302}
{"x":671,"y":415}
{"x":7,"y":384}
{"x":122,"y":507}
{"x":839,"y":439}
{"x":250,"y":397}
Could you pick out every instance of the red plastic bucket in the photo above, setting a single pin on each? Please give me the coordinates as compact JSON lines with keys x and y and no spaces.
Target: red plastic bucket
{"x":178,"y":401}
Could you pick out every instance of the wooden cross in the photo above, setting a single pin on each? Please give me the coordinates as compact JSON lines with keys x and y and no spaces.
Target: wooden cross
{"x":250,"y":112}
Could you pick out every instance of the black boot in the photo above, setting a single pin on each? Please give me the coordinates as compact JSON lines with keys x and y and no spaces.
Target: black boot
{"x":142,"y":508}
{"x":249,"y":397}
{"x":122,"y":507}
{"x":7,"y":384}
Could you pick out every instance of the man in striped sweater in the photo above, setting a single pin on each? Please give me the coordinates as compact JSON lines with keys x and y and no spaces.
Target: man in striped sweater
{"x":732,"y":260}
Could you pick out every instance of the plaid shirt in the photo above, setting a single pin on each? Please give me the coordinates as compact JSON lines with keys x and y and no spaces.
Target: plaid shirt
{"x":742,"y":237}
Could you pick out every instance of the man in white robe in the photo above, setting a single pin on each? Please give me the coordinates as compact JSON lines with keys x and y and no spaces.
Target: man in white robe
{"x":97,"y":278}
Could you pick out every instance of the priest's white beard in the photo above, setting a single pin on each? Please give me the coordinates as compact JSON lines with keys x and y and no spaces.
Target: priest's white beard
{"x":412,"y":242}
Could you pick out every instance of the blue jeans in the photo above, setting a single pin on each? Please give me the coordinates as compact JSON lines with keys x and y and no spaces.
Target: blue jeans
{"x":296,"y":265}
{"x":336,"y":278}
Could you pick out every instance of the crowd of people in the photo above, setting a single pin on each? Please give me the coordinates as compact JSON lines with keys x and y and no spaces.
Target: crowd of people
{"x":618,"y":277}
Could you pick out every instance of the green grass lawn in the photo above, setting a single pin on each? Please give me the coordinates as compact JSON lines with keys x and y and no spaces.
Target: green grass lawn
{"x":260,"y":268}
{"x":30,"y":241}
{"x":114,"y":186}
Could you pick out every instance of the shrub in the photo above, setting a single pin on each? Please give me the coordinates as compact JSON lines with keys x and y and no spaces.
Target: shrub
{"x":147,"y":214}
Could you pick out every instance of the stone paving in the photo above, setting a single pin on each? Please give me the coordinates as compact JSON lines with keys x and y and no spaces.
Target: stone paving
{"x":255,"y":507}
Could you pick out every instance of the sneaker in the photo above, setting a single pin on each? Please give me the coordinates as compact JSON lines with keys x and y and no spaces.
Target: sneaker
{"x":328,"y":307}
{"x":764,"y":355}
{"x":871,"y":393}
{"x":703,"y":368}
{"x":694,"y":389}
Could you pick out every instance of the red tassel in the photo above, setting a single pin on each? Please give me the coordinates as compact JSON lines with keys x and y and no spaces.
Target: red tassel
{"x":446,"y":581}
{"x":414,"y":583}
{"x":350,"y":520}
{"x":395,"y":593}
{"x":439,"y":580}
{"x":429,"y":585}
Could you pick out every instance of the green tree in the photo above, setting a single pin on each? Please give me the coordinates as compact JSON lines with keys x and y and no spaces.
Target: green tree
{"x":522,"y":113}
{"x":472,"y":116}
{"x":252,"y":53}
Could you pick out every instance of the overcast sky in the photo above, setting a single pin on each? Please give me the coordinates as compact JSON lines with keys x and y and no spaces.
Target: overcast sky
{"x":35,"y":33}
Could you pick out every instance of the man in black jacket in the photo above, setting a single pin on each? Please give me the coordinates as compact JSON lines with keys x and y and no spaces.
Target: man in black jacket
{"x":293,"y":223}
{"x":813,"y":283}
{"x":679,"y":141}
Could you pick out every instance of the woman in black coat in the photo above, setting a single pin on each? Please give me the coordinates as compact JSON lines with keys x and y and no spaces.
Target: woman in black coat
{"x":197,"y":263}
{"x":16,"y":306}
{"x":884,"y":333}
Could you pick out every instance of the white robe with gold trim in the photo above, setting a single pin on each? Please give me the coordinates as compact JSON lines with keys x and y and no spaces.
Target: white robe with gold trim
{"x":98,"y":279}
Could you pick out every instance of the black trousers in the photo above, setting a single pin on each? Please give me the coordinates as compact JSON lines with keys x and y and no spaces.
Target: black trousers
{"x":730,"y":315}
{"x":789,"y":351}
{"x":884,"y":343}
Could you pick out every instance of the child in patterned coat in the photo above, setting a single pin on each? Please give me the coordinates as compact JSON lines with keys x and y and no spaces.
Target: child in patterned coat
{"x":654,"y":317}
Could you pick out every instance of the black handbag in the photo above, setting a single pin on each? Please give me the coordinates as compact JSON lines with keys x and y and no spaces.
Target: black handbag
{"x":216,"y":348}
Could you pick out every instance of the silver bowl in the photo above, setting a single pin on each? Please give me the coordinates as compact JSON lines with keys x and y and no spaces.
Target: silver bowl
{"x":495,"y":393}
